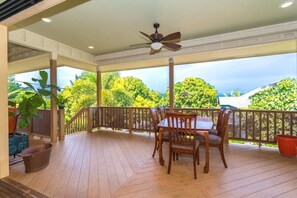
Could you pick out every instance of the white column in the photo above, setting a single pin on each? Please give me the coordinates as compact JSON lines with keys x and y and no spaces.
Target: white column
{"x":171,"y":84}
{"x":4,"y":158}
{"x":53,"y":81}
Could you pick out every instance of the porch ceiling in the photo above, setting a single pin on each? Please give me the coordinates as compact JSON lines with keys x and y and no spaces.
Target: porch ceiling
{"x":209,"y":29}
{"x":111,"y":26}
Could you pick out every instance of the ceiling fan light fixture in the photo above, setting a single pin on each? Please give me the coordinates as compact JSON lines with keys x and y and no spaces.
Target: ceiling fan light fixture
{"x":286,"y":4}
{"x":156,"y":45}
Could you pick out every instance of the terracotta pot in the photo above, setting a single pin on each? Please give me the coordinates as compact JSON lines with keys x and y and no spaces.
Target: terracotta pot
{"x":287,"y":145}
{"x":11,"y":119}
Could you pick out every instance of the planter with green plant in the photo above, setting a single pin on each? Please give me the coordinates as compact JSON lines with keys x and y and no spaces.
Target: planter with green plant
{"x":32,"y":99}
{"x":61,"y":101}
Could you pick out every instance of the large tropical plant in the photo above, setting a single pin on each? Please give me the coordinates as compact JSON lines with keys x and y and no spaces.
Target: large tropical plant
{"x":32,"y":98}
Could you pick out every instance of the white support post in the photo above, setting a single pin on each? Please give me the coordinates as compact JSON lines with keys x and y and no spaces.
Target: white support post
{"x":4,"y":158}
{"x":171,"y":84}
{"x":54,"y":112}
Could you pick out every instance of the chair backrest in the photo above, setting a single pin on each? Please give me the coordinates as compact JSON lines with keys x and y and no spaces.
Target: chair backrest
{"x":155,"y":118}
{"x":222,"y":128}
{"x":182,"y":128}
{"x":162,"y":112}
{"x":220,"y":116}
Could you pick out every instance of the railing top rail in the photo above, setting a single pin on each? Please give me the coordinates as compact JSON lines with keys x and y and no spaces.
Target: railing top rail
{"x":270,"y":111}
{"x":188,"y":108}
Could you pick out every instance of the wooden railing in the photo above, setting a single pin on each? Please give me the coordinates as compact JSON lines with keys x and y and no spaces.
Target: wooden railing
{"x":131,"y":118}
{"x":246,"y":125}
{"x":41,"y":126}
{"x":261,"y":126}
{"x":79,"y":122}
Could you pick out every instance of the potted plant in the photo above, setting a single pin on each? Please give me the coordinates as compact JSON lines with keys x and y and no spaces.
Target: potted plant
{"x":61,"y":101}
{"x":287,"y":145}
{"x":34,"y":98}
{"x":27,"y":104}
{"x":12,"y":111}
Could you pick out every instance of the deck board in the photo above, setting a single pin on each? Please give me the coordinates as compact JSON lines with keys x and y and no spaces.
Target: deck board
{"x":109,"y":164}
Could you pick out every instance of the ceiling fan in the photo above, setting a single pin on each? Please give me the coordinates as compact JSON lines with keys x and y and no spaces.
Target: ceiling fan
{"x":157,"y":40}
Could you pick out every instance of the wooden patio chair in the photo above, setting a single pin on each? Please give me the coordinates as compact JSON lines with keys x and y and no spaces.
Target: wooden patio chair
{"x":162,"y":112}
{"x":155,"y":121}
{"x":214,"y":130}
{"x":182,"y":136}
{"x":217,"y":140}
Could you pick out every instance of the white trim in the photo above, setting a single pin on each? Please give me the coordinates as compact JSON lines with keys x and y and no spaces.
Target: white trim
{"x":29,"y":39}
{"x":255,"y":36}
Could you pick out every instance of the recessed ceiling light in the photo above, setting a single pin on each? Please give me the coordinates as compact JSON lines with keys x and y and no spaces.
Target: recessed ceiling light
{"x":286,"y":4}
{"x":91,"y":47}
{"x":47,"y":20}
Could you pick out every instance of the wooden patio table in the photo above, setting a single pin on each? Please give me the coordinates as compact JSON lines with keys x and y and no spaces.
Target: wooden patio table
{"x":203,"y":124}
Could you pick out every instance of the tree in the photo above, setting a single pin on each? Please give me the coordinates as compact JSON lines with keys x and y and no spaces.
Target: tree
{"x":281,"y":96}
{"x":135,"y":91}
{"x":81,"y":94}
{"x":108,"y":79}
{"x":13,"y":87}
{"x":193,"y":92}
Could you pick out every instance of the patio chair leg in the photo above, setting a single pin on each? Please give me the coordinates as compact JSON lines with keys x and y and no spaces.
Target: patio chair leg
{"x":170,"y":158}
{"x":155,"y":148}
{"x":223,"y":156}
{"x":194,"y":164}
{"x":198,"y":157}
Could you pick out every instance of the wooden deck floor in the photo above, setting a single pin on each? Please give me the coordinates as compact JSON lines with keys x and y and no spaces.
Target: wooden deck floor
{"x":107,"y":164}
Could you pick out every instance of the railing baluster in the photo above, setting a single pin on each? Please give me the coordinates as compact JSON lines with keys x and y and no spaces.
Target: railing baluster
{"x":283,"y":123}
{"x":267,"y":126}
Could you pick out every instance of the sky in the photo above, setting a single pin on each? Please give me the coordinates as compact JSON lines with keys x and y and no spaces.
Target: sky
{"x":243,"y":74}
{"x":64,"y":76}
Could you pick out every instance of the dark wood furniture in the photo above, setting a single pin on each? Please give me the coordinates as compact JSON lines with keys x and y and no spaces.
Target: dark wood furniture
{"x":203,"y":124}
{"x":219,"y":121}
{"x":155,"y":121}
{"x":162,"y":112}
{"x":182,"y":136}
{"x":217,"y":140}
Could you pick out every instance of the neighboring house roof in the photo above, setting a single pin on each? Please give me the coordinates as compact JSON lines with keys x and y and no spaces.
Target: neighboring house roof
{"x":244,"y":100}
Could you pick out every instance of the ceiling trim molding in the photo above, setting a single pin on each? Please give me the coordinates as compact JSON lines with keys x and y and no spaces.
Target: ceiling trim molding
{"x":35,"y":41}
{"x":255,"y":36}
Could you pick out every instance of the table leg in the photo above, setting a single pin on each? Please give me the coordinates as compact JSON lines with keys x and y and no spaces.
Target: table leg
{"x":161,"y":160}
{"x":206,"y":167}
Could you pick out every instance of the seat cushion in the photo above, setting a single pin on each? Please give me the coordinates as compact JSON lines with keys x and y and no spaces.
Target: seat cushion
{"x":185,"y":147}
{"x":213,"y":139}
{"x":213,"y":131}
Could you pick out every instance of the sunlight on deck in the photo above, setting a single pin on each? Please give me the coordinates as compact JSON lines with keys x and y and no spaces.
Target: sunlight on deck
{"x":109,"y":164}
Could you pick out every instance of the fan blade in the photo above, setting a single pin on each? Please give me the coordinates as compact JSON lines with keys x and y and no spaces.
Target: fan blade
{"x":148,"y":36}
{"x":172,"y":46}
{"x":173,"y":36}
{"x":141,"y":44}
